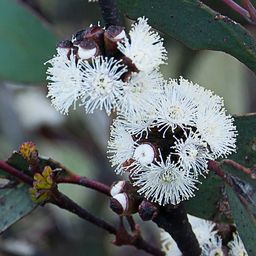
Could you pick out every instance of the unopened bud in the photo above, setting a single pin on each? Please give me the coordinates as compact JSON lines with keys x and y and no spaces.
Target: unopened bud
{"x":119,"y":203}
{"x":94,"y":33}
{"x":87,"y":49}
{"x":125,"y":203}
{"x":148,"y":210}
{"x":117,"y":188}
{"x":145,"y":153}
{"x":120,"y":187}
{"x":64,"y":47}
{"x":112,"y":36}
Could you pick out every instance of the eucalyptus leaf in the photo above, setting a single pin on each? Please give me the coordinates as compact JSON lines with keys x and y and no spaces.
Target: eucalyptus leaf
{"x":196,"y":25}
{"x":25,"y":44}
{"x":15,"y":200}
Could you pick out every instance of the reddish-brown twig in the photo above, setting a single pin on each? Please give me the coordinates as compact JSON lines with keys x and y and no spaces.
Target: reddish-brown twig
{"x":16,"y":173}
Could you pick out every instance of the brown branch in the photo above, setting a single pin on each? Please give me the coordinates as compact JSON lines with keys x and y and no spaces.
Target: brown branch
{"x":66,"y":203}
{"x":16,"y":173}
{"x":110,"y":12}
{"x":239,"y":167}
{"x":84,"y":181}
{"x":173,"y":219}
{"x":236,"y":7}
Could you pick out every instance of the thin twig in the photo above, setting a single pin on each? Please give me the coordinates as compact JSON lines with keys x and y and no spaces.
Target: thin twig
{"x":131,"y":222}
{"x":84,"y":181}
{"x":216,"y":167}
{"x":16,"y":173}
{"x":239,"y":167}
{"x":66,"y":203}
{"x":236,"y":7}
{"x":110,"y":12}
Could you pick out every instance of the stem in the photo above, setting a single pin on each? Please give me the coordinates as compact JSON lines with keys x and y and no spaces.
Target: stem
{"x":16,"y":173}
{"x":66,"y":203}
{"x":239,"y":167}
{"x":175,"y":222}
{"x":250,"y":8}
{"x":131,"y":222}
{"x":83,"y":181}
{"x":143,"y":245}
{"x":215,"y":167}
{"x":236,"y":7}
{"x":109,"y":12}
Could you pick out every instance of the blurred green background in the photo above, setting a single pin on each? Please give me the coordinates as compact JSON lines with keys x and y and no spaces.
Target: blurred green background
{"x":78,"y":140}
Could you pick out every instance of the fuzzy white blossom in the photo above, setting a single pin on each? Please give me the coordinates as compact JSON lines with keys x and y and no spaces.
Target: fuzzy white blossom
{"x":101,"y":84}
{"x":164,"y":183}
{"x":204,"y":232}
{"x":213,"y":247}
{"x":145,"y":47}
{"x":141,"y":92}
{"x":121,"y":146}
{"x":193,"y":152}
{"x":64,"y":75}
{"x":237,"y":247}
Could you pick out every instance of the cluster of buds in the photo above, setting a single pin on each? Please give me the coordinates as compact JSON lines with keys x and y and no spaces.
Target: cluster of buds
{"x":43,"y":185}
{"x":165,"y":131}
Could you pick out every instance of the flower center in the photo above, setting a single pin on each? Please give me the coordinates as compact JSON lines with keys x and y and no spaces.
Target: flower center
{"x":103,"y":84}
{"x":175,"y":112}
{"x":168,"y":177}
{"x":216,"y":252}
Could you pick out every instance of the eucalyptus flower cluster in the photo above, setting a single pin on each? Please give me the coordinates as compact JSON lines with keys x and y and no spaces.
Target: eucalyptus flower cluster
{"x":208,"y":239}
{"x":165,"y":131}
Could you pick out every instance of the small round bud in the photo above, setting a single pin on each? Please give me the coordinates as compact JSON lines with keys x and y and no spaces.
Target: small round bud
{"x":117,"y":188}
{"x":115,"y":33}
{"x":119,"y":203}
{"x":144,"y":154}
{"x":112,"y":35}
{"x":148,"y":210}
{"x":87,"y":49}
{"x":64,"y":47}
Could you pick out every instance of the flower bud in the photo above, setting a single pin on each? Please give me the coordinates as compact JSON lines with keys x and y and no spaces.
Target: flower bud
{"x":112,"y":36}
{"x":87,"y":49}
{"x":119,"y":203}
{"x":64,"y":47}
{"x":124,"y":203}
{"x":94,"y":33}
{"x":148,"y":210}
{"x":145,"y":153}
{"x":120,"y":187}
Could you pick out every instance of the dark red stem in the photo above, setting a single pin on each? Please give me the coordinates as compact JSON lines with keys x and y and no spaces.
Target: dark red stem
{"x":110,"y":13}
{"x":236,"y":7}
{"x":83,"y":181}
{"x":66,"y":203}
{"x":239,"y":167}
{"x":16,"y":173}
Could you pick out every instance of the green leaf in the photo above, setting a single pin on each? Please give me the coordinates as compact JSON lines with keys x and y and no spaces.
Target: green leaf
{"x":207,"y":198}
{"x":242,"y":198}
{"x":206,"y":202}
{"x":25,"y":44}
{"x":245,"y":221}
{"x":15,"y":200}
{"x":195,"y":25}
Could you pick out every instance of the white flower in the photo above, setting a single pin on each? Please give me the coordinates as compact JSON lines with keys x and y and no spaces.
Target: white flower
{"x":203,"y":230}
{"x":218,"y":130}
{"x":198,"y":94}
{"x":140,"y":92}
{"x":174,"y":109}
{"x":145,"y":48}
{"x":64,"y":75}
{"x":193,"y":152}
{"x":169,"y":246}
{"x":101,"y":84}
{"x":121,"y":146}
{"x":164,"y":183}
{"x":237,"y":247}
{"x":213,"y":247}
